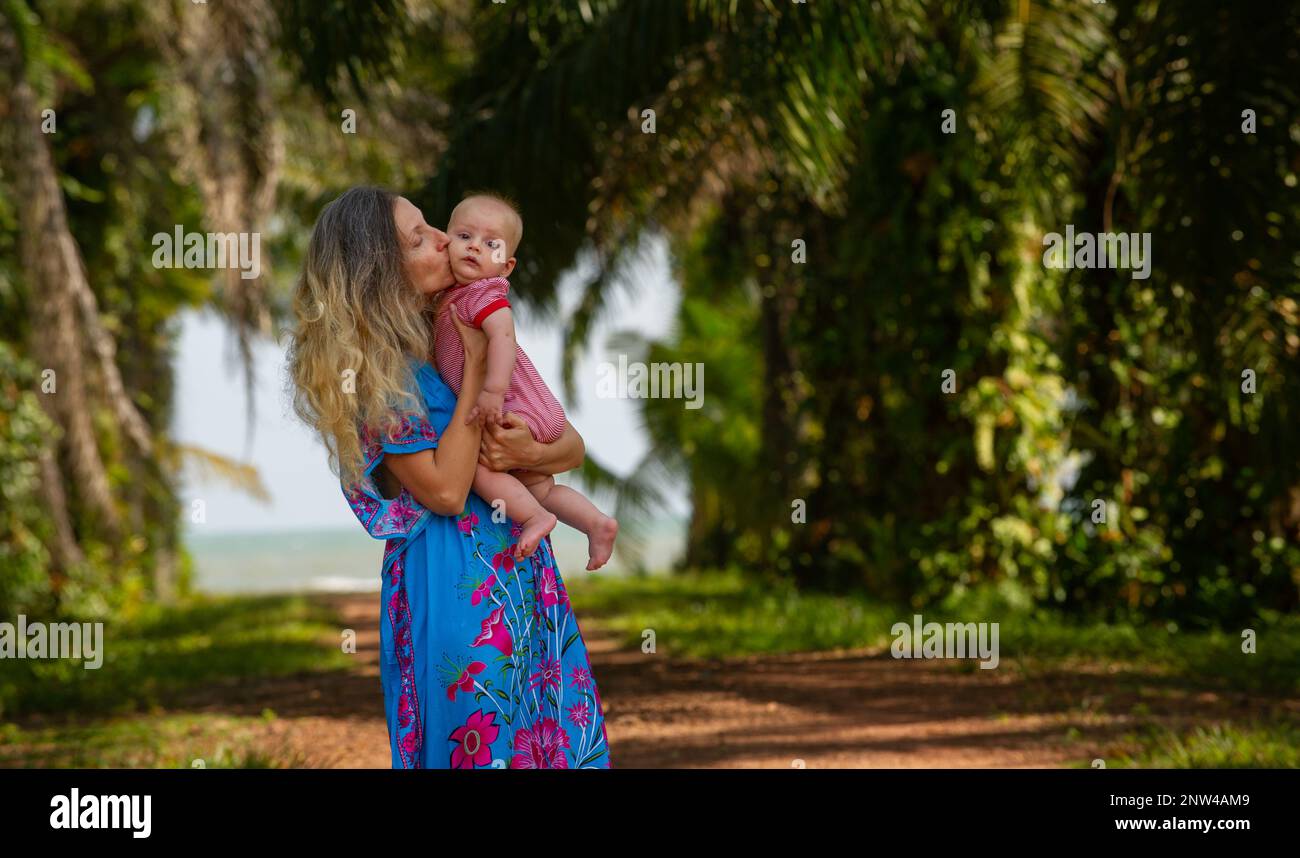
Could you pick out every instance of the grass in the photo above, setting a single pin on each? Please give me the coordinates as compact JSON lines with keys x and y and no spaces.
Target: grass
{"x":64,"y":715}
{"x":720,"y":615}
{"x":723,"y":614}
{"x":168,"y":741}
{"x":110,"y":716}
{"x":151,"y":659}
{"x":1217,"y":746}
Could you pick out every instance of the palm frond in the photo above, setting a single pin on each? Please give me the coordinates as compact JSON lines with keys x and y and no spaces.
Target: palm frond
{"x":207,"y":465}
{"x":636,"y":496}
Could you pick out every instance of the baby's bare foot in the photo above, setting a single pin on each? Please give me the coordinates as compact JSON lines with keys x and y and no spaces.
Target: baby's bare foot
{"x":600,"y":542}
{"x":534,"y":530}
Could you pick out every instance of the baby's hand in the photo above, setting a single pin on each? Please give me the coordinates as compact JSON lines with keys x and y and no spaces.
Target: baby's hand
{"x":487,"y":408}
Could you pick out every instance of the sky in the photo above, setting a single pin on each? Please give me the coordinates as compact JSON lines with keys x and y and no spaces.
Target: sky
{"x":210,"y":407}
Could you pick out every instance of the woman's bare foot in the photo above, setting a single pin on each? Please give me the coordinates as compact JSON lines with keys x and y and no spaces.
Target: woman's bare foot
{"x":534,"y":530}
{"x":600,"y":542}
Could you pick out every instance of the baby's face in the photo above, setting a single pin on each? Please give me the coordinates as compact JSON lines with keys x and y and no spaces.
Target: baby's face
{"x":483,"y":236}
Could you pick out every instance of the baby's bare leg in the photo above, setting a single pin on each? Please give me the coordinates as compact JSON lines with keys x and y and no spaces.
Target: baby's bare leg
{"x":520,"y":506}
{"x":576,"y":511}
{"x":538,"y":485}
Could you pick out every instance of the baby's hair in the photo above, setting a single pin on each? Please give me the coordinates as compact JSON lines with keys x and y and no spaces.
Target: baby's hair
{"x":504,"y":200}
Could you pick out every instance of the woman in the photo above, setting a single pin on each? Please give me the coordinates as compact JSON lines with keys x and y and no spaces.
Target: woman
{"x":482,"y":664}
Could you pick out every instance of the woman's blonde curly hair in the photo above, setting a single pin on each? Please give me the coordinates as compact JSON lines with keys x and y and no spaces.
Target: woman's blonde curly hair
{"x":359,"y":321}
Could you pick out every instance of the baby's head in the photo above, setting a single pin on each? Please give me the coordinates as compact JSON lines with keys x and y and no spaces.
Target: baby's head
{"x":485,"y":228}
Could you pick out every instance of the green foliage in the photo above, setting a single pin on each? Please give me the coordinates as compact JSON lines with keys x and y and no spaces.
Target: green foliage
{"x":159,"y":658}
{"x":1221,"y":746}
{"x":160,"y":654}
{"x":105,"y":80}
{"x":326,"y":39}
{"x":157,"y":741}
{"x":715,"y":614}
{"x":24,"y":430}
{"x":111,"y":77}
{"x":1205,"y":474}
{"x":924,"y":254}
{"x":713,"y":447}
{"x":820,"y":123}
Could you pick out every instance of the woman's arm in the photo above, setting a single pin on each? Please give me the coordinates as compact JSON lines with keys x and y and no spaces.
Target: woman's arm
{"x":512,"y":446}
{"x":440,"y":478}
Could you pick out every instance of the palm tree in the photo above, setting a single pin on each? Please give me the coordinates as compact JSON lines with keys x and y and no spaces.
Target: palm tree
{"x":67,"y":337}
{"x":823,"y":122}
{"x":205,"y":86}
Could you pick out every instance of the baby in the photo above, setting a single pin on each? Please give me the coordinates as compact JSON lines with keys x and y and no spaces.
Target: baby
{"x":485,"y":230}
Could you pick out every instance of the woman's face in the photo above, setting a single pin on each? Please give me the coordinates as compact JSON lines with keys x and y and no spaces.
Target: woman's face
{"x":424,"y":250}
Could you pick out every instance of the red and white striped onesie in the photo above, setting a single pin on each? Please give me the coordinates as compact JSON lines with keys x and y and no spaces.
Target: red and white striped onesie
{"x":528,"y":396}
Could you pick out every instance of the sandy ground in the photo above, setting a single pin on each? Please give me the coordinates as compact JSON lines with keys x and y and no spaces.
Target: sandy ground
{"x":848,"y":709}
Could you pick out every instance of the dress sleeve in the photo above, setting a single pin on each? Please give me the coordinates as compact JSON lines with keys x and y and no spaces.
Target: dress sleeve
{"x":413,"y":433}
{"x":402,"y":516}
{"x":487,"y":296}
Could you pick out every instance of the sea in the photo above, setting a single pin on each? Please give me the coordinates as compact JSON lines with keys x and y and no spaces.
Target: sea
{"x":347,"y":560}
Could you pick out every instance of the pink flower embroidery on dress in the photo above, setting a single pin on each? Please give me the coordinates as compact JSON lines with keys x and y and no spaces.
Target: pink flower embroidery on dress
{"x":466,"y":680}
{"x":364,"y":505}
{"x":410,"y":729}
{"x":427,"y":432}
{"x":483,"y":590}
{"x":580,"y":715}
{"x":403,"y":512}
{"x":541,"y":747}
{"x":496,"y":633}
{"x":408,"y":430}
{"x":473,"y":741}
{"x":371,"y":446}
{"x":581,"y":678}
{"x":552,"y":593}
{"x":547,"y":677}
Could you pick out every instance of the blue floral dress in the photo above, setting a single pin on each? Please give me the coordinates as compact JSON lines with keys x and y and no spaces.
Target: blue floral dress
{"x":481,"y":661}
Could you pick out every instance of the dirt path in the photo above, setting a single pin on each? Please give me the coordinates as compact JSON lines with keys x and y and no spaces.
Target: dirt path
{"x":848,"y":709}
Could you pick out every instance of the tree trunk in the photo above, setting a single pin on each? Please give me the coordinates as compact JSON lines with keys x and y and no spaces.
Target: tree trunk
{"x":65,"y":552}
{"x":54,"y":273}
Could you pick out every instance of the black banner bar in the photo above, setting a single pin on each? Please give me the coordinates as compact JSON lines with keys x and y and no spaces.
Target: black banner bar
{"x":315,"y":806}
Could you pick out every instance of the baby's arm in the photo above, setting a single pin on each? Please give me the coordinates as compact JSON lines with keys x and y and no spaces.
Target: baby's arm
{"x":500,"y":330}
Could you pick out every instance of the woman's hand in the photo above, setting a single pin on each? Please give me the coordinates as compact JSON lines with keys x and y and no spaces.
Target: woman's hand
{"x":511,"y":446}
{"x":508,"y":445}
